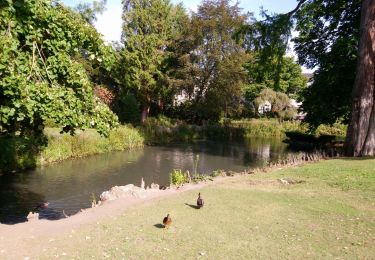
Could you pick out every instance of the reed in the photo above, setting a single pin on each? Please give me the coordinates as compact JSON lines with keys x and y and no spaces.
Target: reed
{"x":84,"y":143}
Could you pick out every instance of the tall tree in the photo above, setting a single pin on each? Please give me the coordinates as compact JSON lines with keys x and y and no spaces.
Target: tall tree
{"x":211,"y":61}
{"x":89,"y":11}
{"x":360,"y":139}
{"x":146,"y":30}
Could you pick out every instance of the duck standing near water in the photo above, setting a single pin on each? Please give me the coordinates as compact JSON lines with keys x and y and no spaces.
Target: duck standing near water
{"x":200,"y":201}
{"x":43,"y":205}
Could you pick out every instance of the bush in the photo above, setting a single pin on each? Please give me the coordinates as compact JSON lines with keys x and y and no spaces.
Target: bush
{"x":336,"y":130}
{"x":178,"y":177}
{"x":129,"y":109}
{"x":163,"y":130}
{"x":89,"y":142}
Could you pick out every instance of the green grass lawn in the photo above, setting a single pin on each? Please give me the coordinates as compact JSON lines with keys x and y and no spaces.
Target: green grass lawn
{"x":331,"y":215}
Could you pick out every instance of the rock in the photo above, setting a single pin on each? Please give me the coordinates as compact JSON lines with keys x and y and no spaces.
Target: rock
{"x":123,"y":191}
{"x":32,"y":216}
{"x":138,"y":192}
{"x":155,"y":186}
{"x":289,"y":181}
{"x":283,"y":181}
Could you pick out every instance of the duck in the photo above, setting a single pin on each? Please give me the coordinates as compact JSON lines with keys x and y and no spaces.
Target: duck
{"x":167,"y":221}
{"x":43,"y":205}
{"x":200,"y":201}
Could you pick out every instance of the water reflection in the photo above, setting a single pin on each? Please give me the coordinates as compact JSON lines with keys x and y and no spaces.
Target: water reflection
{"x":69,"y":185}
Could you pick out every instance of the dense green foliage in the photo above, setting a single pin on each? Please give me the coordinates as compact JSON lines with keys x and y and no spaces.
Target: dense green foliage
{"x":39,"y":77}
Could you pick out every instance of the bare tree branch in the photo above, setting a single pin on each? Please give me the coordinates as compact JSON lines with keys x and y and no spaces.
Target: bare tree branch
{"x":300,"y":3}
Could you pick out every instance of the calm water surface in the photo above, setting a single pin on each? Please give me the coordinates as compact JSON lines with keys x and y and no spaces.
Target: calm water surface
{"x":70,"y":185}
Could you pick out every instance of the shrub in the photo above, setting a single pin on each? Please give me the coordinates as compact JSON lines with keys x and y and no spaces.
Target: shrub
{"x":178,"y":177}
{"x":129,"y":109}
{"x":89,"y":142}
{"x":162,"y":130}
{"x":335,"y":129}
{"x":104,"y":94}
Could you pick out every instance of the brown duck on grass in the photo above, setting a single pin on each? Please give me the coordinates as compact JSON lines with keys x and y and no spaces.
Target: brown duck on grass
{"x":200,"y":201}
{"x":167,"y":221}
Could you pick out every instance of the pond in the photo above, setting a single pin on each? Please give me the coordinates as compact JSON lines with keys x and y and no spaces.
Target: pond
{"x":70,"y":185}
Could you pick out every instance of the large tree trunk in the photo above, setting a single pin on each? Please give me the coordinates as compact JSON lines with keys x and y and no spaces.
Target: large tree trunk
{"x":145,"y":109}
{"x":145,"y":112}
{"x":360,"y":139}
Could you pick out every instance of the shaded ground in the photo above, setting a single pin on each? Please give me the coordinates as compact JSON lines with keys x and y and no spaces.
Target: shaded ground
{"x":330,"y":215}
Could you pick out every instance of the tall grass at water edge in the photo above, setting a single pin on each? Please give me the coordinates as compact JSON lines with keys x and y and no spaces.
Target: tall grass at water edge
{"x":163,"y":130}
{"x":274,"y":128}
{"x":88,"y":142}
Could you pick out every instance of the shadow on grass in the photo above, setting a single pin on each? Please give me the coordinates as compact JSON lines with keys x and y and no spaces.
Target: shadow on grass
{"x":192,"y":206}
{"x":159,"y":225}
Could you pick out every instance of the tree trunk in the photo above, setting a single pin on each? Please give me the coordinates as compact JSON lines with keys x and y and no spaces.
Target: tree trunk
{"x":146,"y":108}
{"x":145,"y":112}
{"x":360,"y":139}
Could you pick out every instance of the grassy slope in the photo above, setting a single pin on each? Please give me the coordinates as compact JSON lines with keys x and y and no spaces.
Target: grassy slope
{"x":331,"y":215}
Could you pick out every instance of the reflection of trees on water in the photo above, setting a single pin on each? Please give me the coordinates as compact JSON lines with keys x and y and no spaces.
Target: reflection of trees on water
{"x":16,"y":201}
{"x":263,"y":150}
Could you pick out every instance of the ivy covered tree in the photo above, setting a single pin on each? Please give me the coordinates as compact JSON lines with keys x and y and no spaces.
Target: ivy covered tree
{"x":39,"y":78}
